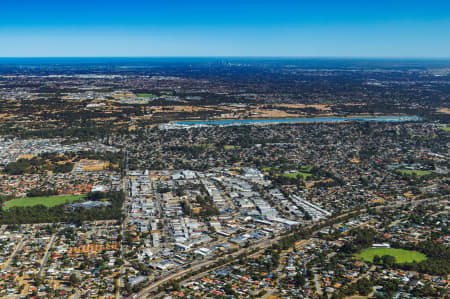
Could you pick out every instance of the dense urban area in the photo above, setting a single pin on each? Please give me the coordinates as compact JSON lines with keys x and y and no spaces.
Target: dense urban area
{"x":224,"y":178}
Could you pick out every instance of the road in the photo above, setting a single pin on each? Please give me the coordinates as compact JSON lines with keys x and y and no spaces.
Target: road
{"x":44,"y":260}
{"x":316,"y":281}
{"x":18,"y":248}
{"x":365,"y":275}
{"x":260,"y":246}
{"x":122,"y":249}
{"x":277,"y":282}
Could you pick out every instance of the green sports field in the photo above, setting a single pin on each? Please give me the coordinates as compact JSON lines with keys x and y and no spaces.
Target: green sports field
{"x":446,"y":129}
{"x":49,"y":201}
{"x":401,"y":255}
{"x":418,"y":173}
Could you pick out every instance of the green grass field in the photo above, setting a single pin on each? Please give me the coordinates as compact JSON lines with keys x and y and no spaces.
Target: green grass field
{"x":231,"y":147}
{"x":418,"y":173}
{"x":49,"y":201}
{"x":446,"y":129}
{"x":401,"y":255}
{"x":306,"y":168}
{"x":296,"y":174}
{"x":145,"y":95}
{"x":303,"y":171}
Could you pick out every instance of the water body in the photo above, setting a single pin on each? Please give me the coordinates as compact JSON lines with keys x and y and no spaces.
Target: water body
{"x":301,"y":120}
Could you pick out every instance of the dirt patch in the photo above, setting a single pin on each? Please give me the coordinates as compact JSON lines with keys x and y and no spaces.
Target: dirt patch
{"x":444,"y":110}
{"x":303,"y":106}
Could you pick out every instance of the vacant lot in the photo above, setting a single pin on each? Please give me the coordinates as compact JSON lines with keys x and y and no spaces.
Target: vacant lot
{"x":418,"y":173}
{"x":49,"y":201}
{"x":401,"y":255}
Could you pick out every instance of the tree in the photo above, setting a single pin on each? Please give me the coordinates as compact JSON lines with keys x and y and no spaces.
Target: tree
{"x":176,"y":285}
{"x":186,"y":208}
{"x":228,"y":289}
{"x":364,"y":286}
{"x":38,"y":280}
{"x":388,"y":260}
{"x":299,"y":280}
{"x":376,"y":259}
{"x":73,"y":279}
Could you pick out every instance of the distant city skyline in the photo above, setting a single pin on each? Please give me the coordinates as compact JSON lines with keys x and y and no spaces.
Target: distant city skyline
{"x":100,"y":28}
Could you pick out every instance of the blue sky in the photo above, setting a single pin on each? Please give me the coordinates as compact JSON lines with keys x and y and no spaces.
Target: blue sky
{"x":225,"y":28}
